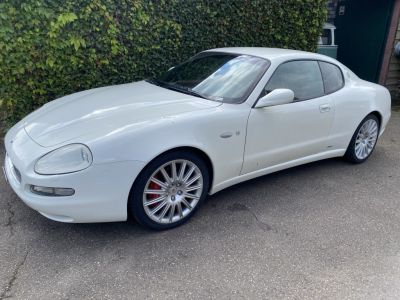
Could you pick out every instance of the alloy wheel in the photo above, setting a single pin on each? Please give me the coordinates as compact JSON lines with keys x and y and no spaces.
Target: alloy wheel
{"x":172,"y":191}
{"x":366,"y":139}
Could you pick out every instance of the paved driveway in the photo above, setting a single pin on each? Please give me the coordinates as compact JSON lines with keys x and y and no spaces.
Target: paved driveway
{"x":325,"y":230}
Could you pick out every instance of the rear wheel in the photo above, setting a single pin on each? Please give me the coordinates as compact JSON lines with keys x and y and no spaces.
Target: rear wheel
{"x":364,"y":140}
{"x":169,"y":190}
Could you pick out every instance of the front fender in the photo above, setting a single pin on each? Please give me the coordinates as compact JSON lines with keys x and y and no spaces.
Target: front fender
{"x":201,"y":130}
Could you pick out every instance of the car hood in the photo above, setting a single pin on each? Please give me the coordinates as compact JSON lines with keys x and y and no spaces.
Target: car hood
{"x":107,"y":109}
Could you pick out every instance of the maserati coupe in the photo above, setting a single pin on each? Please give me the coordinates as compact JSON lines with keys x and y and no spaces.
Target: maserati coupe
{"x":154,"y":149}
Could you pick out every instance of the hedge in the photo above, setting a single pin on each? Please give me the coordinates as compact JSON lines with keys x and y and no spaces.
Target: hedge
{"x":50,"y":48}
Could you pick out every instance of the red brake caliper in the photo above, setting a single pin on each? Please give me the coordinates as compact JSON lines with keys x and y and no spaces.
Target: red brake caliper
{"x":153,"y":186}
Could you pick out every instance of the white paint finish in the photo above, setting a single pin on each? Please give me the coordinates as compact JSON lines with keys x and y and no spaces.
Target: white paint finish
{"x":200,"y":129}
{"x":276,"y":168}
{"x":108,"y":110}
{"x":126,"y":126}
{"x":283,"y":133}
{"x":276,"y":97}
{"x":353,"y":103}
{"x":101,"y":192}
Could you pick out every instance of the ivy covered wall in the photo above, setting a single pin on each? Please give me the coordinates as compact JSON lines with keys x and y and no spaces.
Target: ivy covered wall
{"x":52,"y":48}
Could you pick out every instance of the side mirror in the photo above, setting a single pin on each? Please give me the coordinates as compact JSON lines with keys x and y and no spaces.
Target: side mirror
{"x":276,"y":97}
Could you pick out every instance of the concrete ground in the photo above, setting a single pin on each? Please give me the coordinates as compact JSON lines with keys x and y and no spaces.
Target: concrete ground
{"x":326,"y":230}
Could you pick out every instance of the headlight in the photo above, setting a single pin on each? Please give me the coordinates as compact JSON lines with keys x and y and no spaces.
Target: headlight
{"x":67,"y":159}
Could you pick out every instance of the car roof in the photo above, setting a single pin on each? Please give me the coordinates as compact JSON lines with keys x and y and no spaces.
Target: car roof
{"x":278,"y":56}
{"x":272,"y":53}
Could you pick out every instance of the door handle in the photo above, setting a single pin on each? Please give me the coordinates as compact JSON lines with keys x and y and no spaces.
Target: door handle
{"x":226,"y":135}
{"x":324,"y":108}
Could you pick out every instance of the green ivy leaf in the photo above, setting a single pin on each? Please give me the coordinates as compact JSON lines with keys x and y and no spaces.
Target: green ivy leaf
{"x":47,"y":51}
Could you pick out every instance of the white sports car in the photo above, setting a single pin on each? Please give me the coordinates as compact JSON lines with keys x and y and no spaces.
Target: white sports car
{"x":155,"y":148}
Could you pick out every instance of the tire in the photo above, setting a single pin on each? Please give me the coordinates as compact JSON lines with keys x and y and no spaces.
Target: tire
{"x":366,"y":136}
{"x":163,"y":203}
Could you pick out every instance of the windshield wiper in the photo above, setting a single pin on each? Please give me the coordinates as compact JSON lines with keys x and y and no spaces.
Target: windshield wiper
{"x":154,"y":81}
{"x":176,"y":88}
{"x":196,"y":94}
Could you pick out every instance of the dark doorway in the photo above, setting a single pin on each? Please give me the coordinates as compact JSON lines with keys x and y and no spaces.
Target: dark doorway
{"x":362,"y":27}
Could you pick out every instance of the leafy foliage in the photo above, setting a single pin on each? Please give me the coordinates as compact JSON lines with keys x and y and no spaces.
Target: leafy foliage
{"x":49,"y":48}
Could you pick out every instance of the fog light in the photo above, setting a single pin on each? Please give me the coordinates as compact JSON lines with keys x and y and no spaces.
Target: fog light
{"x":51,"y":191}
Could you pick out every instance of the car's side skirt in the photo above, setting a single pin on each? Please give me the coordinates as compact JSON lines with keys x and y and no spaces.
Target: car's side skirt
{"x":272,"y":169}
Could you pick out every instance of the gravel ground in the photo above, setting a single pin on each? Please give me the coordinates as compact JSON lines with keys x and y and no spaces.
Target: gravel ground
{"x":326,"y":230}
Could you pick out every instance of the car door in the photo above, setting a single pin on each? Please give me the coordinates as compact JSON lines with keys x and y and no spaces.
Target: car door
{"x":283,"y":133}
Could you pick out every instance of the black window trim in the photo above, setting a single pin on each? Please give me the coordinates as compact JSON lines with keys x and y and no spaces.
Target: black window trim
{"x":341,"y":72}
{"x":322,"y":77}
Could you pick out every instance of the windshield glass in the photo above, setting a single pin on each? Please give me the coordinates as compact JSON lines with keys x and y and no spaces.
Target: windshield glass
{"x":222,"y":77}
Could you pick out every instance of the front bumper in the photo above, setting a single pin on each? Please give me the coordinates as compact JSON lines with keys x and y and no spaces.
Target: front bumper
{"x":101,"y":191}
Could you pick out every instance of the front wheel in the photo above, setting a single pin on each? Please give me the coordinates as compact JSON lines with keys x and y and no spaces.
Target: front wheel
{"x":364,"y":140}
{"x":169,"y":190}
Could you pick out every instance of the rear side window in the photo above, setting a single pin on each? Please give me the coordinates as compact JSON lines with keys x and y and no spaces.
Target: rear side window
{"x":302,"y":77}
{"x":332,"y":76}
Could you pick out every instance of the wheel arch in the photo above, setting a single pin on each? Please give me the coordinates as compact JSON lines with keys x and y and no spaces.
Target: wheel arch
{"x":378,"y":115}
{"x":349,"y":155}
{"x":203,"y":155}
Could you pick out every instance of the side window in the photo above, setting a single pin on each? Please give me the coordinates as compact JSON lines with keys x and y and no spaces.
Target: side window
{"x":326,"y":37}
{"x":302,"y":77}
{"x":332,"y":76}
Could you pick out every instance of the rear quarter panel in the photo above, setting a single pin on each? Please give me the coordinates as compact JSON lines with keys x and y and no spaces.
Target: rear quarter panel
{"x":353,"y":103}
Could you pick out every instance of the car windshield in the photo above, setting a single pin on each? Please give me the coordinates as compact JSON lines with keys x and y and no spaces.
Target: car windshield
{"x":221,"y":77}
